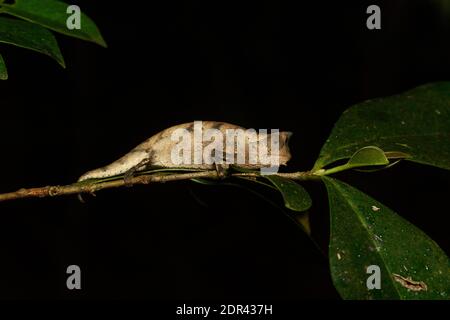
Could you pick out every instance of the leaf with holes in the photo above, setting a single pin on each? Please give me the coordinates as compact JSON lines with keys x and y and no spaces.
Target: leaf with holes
{"x":366,"y":233}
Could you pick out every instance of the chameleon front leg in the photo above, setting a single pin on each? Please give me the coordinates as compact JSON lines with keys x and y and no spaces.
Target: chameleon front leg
{"x":221,"y":169}
{"x":129,"y":174}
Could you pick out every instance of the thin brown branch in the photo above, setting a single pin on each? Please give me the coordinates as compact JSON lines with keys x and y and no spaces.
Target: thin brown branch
{"x":305,"y":175}
{"x":94,"y":186}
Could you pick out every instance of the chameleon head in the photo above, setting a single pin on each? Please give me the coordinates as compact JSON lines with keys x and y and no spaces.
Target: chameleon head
{"x":284,"y":151}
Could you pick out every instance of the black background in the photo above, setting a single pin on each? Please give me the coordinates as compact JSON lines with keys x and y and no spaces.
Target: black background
{"x":296,"y":67}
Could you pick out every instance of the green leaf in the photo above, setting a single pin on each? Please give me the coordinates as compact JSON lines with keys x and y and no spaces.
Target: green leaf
{"x":3,"y":71}
{"x":415,"y":123}
{"x":30,"y":36}
{"x":364,"y":157}
{"x":303,"y":220}
{"x":368,"y":156}
{"x":365,"y":233}
{"x":295,"y":196}
{"x":53,"y":15}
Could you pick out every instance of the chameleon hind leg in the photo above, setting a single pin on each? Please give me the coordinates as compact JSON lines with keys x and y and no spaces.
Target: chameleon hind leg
{"x":221,"y":170}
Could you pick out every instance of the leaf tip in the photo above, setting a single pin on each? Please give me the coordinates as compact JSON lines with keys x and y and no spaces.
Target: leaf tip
{"x":103,"y":44}
{"x":100,"y":41}
{"x":62,"y":63}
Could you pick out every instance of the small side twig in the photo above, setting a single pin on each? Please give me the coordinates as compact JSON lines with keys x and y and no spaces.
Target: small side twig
{"x":94,"y":185}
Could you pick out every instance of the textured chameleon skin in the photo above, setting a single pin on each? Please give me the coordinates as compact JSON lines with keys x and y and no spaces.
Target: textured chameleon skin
{"x":156,"y":152}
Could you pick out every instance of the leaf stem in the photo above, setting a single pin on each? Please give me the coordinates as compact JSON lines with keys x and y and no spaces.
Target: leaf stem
{"x":325,"y":172}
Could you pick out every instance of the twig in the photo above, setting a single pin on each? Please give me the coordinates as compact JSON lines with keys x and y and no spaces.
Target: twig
{"x":91,"y":186}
